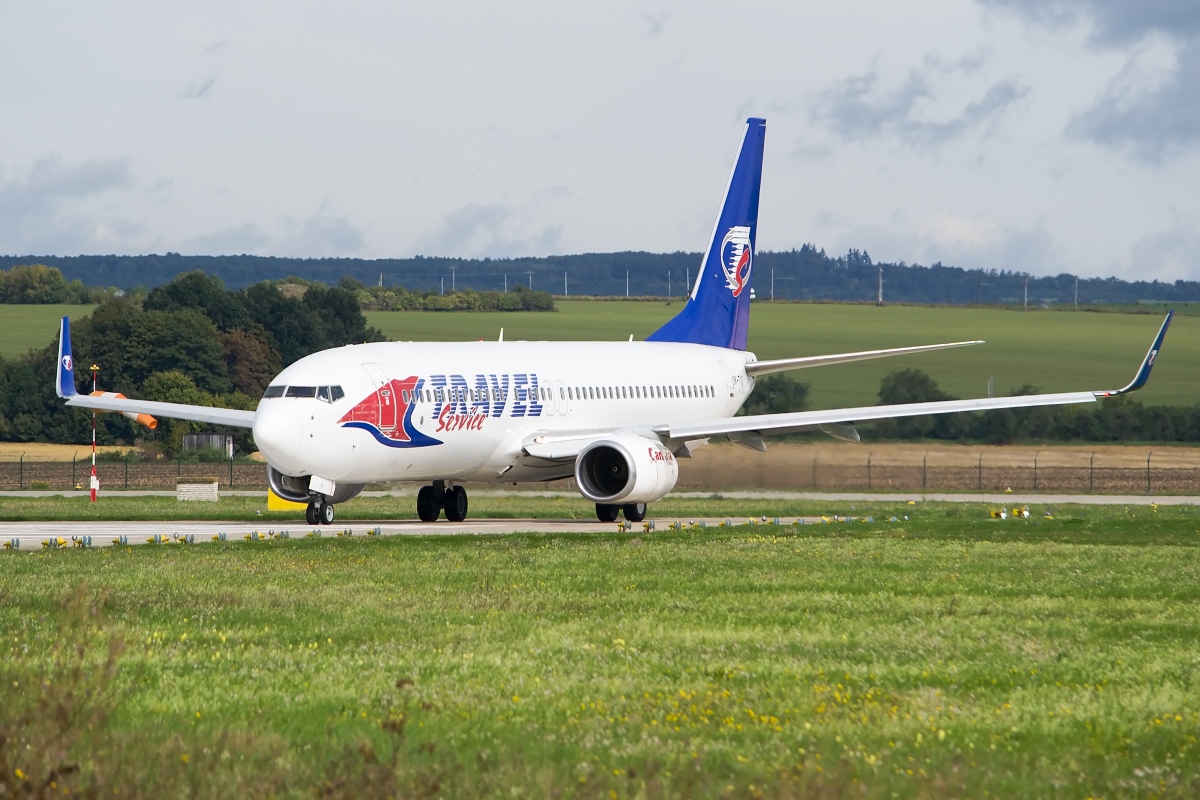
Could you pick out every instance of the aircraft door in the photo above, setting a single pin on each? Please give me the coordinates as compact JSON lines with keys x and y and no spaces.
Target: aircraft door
{"x":561,"y":402}
{"x":384,"y":393}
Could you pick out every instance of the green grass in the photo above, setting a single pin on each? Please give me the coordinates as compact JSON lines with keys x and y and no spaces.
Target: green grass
{"x":1056,"y":351}
{"x":29,"y":326}
{"x":944,"y":656}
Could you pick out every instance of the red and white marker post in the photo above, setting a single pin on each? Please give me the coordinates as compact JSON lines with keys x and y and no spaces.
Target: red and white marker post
{"x":95,"y":481}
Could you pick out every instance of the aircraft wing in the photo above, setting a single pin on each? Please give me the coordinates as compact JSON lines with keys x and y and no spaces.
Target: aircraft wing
{"x":749,"y":430}
{"x":65,"y":387}
{"x":836,"y":420}
{"x":216,"y":416}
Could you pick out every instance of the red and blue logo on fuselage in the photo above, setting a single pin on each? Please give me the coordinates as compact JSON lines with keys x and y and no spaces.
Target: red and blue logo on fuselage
{"x":386,"y":414}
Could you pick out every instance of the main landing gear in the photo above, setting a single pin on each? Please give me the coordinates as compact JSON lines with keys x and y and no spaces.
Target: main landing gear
{"x":607,"y":512}
{"x":432,"y":500}
{"x":319,"y":512}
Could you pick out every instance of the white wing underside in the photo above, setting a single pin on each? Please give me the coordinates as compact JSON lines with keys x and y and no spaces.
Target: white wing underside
{"x":214,"y":416}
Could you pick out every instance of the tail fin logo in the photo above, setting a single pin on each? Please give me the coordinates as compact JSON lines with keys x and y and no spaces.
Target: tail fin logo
{"x":67,"y":363}
{"x":737,"y":258}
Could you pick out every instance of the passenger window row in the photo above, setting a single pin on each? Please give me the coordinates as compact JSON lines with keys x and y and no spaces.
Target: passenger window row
{"x":676,"y":392}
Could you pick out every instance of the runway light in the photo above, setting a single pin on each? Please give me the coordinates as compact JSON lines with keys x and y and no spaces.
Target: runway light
{"x":122,"y":539}
{"x":313,"y":534}
{"x":648,"y":525}
{"x":13,"y":544}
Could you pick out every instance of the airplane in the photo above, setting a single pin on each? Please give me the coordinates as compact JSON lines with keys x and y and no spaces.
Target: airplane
{"x":615,"y":416}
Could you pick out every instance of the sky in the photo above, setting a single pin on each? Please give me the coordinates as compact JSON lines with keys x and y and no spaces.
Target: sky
{"x":1040,"y":136}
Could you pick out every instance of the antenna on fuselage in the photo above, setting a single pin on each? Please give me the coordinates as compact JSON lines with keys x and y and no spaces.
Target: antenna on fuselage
{"x":501,"y":339}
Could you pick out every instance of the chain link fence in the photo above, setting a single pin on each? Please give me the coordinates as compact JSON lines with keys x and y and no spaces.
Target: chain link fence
{"x":65,"y":475}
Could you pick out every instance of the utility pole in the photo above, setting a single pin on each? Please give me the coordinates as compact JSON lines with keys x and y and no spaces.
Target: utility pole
{"x":1025,"y":302}
{"x":879,"y":289}
{"x":565,"y":292}
{"x":1076,"y":292}
{"x":453,"y":271}
{"x":443,"y":289}
{"x":772,"y":284}
{"x":506,"y":283}
{"x":627,"y":283}
{"x":530,"y":279}
{"x":668,"y":285}
{"x":94,"y":482}
{"x":687,"y":286}
{"x":381,"y":280}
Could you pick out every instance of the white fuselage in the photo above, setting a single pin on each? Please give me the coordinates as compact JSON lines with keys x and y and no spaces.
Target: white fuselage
{"x":464,"y":410}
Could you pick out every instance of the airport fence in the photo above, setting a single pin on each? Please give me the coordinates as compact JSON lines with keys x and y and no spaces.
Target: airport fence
{"x":23,"y":474}
{"x":695,"y":475}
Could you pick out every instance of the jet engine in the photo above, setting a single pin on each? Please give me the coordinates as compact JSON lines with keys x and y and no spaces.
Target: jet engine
{"x":296,"y":489}
{"x":625,"y":468}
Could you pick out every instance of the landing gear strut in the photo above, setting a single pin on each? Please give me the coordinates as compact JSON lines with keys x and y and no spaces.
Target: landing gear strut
{"x":319,"y":512}
{"x":433,"y":499}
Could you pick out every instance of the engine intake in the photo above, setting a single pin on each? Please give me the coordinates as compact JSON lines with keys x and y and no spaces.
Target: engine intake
{"x":625,"y":468}
{"x":296,"y":489}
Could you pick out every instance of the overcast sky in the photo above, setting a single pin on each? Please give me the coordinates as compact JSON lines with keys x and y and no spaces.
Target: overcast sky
{"x":1033,"y":135}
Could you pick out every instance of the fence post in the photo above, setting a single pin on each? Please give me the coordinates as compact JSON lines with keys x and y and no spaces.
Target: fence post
{"x":1148,"y":457}
{"x":178,"y":465}
{"x":21,"y":473}
{"x":230,"y":472}
{"x":127,"y":470}
{"x":924,"y":470}
{"x":1092,"y":473}
{"x":869,"y":470}
{"x":979,"y":473}
{"x":814,"y":472}
{"x":72,"y":470}
{"x":1035,"y":458}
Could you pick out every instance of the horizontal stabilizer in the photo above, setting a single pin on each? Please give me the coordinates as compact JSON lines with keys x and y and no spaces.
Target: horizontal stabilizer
{"x":755,"y":368}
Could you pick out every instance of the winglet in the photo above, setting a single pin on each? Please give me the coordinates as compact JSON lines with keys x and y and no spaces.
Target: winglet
{"x":65,"y":384}
{"x":1143,"y":373}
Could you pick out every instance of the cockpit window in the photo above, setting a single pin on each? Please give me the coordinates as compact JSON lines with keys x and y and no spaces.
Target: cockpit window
{"x":336,"y":393}
{"x":273,"y":391}
{"x":323,"y":393}
{"x":301,"y":391}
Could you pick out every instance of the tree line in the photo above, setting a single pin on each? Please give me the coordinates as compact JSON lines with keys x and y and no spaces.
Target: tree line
{"x":808,"y":273}
{"x":41,"y":285}
{"x":189,"y":341}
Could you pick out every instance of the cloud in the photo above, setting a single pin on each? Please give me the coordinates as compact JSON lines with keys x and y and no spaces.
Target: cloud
{"x":247,"y":238}
{"x":489,"y":229}
{"x":1151,"y":109}
{"x":199,"y":90}
{"x":40,"y":211}
{"x":656,"y":23}
{"x":863,"y":107}
{"x":1171,"y":254}
{"x":964,"y":241}
{"x":321,"y":235}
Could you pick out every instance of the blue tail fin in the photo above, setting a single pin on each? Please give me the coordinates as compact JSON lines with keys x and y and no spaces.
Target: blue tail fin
{"x":65,"y":383}
{"x":718,"y":310}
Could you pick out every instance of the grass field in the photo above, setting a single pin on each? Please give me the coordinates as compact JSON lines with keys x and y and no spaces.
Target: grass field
{"x":945,"y":656}
{"x":24,"y":326}
{"x":1056,"y":351}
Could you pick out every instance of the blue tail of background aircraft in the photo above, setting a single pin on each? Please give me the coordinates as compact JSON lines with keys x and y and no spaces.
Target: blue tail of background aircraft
{"x":718,"y":310}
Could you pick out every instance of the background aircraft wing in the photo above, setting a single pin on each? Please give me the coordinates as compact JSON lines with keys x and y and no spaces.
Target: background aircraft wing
{"x":64,"y":387}
{"x":215,"y":416}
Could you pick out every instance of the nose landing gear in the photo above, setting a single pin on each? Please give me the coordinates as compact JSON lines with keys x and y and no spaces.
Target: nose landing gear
{"x":319,"y":512}
{"x":432,"y":500}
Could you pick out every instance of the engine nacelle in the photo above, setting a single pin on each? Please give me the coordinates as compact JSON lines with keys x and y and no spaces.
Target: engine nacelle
{"x":296,"y":489}
{"x":625,"y":468}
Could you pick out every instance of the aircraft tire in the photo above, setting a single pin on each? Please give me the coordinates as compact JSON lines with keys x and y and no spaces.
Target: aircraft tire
{"x":456,"y":504}
{"x":428,"y":509}
{"x":310,"y":514}
{"x":607,"y":512}
{"x":325,"y":513}
{"x":634,"y":512}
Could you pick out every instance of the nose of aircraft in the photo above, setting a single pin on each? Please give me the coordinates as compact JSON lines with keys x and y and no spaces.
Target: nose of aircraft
{"x":278,"y":435}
